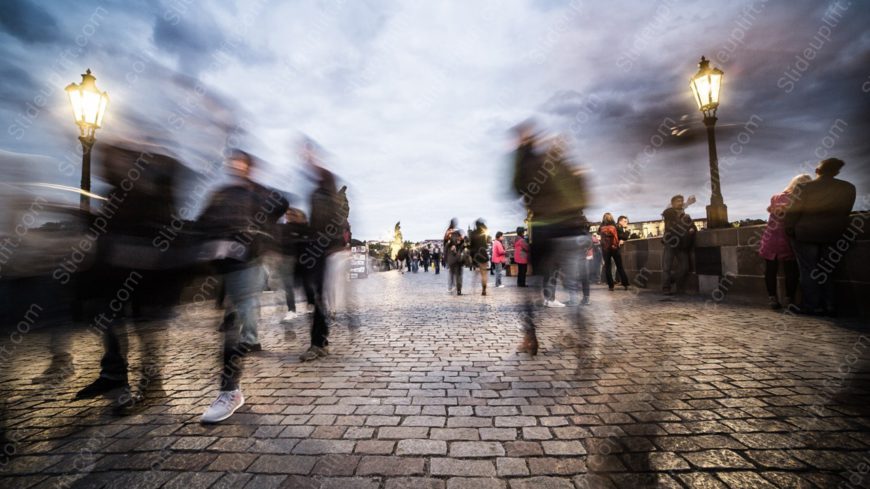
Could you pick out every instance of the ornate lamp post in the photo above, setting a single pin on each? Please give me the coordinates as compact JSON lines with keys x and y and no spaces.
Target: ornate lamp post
{"x":89,"y":106}
{"x":705,"y":86}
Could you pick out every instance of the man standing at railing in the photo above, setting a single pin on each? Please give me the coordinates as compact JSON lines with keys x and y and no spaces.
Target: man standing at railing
{"x":816,"y":220}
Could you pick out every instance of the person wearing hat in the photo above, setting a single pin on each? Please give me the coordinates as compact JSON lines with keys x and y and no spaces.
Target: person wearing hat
{"x":521,"y":256}
{"x":817,"y":218}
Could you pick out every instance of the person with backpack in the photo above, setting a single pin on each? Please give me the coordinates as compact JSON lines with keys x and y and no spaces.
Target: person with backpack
{"x":456,"y":254}
{"x":610,"y":250}
{"x":436,"y":259}
{"x":554,"y":194}
{"x":678,"y":240}
{"x":478,"y":251}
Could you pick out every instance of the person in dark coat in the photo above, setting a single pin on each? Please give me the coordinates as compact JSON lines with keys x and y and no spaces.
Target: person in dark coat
{"x":478,"y":245}
{"x":554,"y":192}
{"x":241,"y":214}
{"x":816,"y":221}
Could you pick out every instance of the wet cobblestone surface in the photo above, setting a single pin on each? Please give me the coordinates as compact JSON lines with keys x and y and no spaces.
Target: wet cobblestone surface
{"x":426,"y":391}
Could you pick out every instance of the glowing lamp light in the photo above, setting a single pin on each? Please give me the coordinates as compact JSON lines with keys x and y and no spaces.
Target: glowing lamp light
{"x":705,"y":86}
{"x":88,"y":104}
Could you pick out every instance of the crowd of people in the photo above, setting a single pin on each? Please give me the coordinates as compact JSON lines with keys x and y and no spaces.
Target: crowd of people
{"x":243,"y":220}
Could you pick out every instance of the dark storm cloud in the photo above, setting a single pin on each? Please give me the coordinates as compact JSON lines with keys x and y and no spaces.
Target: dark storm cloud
{"x":29,"y":22}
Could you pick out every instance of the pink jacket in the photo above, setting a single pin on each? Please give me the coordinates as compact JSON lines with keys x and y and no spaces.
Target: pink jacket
{"x":521,"y":251}
{"x":774,"y":242}
{"x":498,"y":254}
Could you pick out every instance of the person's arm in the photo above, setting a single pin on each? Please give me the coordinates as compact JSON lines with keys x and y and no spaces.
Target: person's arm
{"x":794,"y":210}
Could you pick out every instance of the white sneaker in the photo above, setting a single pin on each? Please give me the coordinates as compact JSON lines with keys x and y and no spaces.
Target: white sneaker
{"x":499,"y":286}
{"x":223,"y":407}
{"x":553,"y":303}
{"x":291,"y":315}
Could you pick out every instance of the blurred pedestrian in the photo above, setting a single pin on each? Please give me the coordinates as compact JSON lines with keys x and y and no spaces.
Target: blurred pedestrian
{"x":293,"y":234}
{"x":238,"y":213}
{"x":478,"y":251}
{"x":436,"y":259}
{"x":554,"y":193}
{"x":426,"y":257}
{"x":816,"y":222}
{"x":456,"y":256}
{"x":329,"y":213}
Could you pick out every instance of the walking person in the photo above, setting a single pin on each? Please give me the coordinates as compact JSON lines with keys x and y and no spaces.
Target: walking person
{"x":556,"y":209}
{"x":610,"y":250}
{"x":816,"y":220}
{"x":498,"y":258}
{"x":478,"y":251}
{"x":415,"y":260}
{"x":426,"y":256}
{"x":521,"y":256}
{"x":678,"y":240}
{"x":293,"y":232}
{"x":775,"y":247}
{"x":329,"y":231}
{"x":455,"y":252}
{"x":401,"y":259}
{"x":436,"y":259}
{"x":228,"y":216}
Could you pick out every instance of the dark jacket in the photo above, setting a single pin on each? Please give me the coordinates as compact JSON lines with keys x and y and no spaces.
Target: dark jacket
{"x":478,"y":246}
{"x":454,"y":249}
{"x":820,"y":210}
{"x":679,"y":229}
{"x":551,"y":189}
{"x":623,"y":233}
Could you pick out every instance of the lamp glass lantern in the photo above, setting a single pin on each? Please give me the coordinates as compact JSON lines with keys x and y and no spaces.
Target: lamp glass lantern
{"x":705,"y":86}
{"x":88,"y":104}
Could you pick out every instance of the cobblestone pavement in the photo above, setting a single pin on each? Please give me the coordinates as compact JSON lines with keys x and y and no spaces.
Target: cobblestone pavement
{"x":427,"y":392}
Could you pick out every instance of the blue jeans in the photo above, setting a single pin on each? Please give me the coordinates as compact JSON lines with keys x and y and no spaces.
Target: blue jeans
{"x":243,"y":288}
{"x":817,"y":285}
{"x":499,"y":271}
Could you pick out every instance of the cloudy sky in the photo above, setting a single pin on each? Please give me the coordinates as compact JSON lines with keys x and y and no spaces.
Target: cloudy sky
{"x":412,"y":101}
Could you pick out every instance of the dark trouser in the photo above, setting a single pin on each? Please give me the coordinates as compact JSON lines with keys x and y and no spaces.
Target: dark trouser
{"x":319,"y":327}
{"x":425,"y":265}
{"x":608,"y":272}
{"x":288,"y":275}
{"x":817,"y":283}
{"x":437,"y":264}
{"x":675,"y":267}
{"x":113,"y":364}
{"x":456,"y":275}
{"x":790,"y":267}
{"x":522,"y":268}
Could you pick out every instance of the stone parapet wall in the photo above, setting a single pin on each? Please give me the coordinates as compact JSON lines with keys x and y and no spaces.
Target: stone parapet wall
{"x":726,"y":265}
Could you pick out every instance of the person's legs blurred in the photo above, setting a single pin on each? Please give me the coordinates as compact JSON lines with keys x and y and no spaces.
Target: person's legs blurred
{"x":243,"y":288}
{"x":623,"y":277}
{"x":667,"y":268}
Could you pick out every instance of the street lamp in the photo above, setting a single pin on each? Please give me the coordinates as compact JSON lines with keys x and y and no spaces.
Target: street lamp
{"x":705,"y":86}
{"x":89,"y":106}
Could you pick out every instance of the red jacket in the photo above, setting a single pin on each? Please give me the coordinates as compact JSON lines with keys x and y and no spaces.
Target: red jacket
{"x":521,"y":251}
{"x":498,"y":254}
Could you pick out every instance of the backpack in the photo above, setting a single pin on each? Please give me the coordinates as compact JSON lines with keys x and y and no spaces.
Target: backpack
{"x":609,"y":238}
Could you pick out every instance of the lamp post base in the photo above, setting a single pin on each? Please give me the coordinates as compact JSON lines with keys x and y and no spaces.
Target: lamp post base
{"x":717,"y":216}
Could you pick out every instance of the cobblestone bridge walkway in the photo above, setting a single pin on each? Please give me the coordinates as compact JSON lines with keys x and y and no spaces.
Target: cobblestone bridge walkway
{"x":427,"y":392}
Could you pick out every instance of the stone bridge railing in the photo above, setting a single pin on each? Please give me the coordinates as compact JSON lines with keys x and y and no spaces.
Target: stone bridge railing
{"x":726,"y":265}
